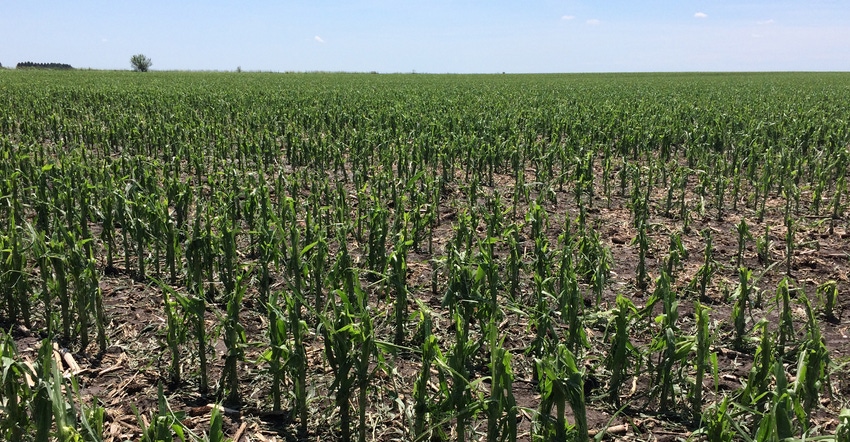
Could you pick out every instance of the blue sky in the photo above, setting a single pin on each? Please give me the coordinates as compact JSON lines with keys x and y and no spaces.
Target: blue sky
{"x":463,"y":36}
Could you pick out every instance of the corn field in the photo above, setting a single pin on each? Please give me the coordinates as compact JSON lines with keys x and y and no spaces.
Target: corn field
{"x":252,"y":256}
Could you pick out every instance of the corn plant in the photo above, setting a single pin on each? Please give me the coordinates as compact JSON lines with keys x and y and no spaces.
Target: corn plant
{"x":167,"y":424}
{"x":58,"y":262}
{"x":398,"y":282}
{"x":297,"y":269}
{"x":677,"y":254}
{"x":14,"y":420}
{"x":812,"y":364}
{"x":828,"y":295}
{"x":423,"y":408}
{"x":703,"y":344}
{"x":643,"y":245}
{"x":739,"y":310}
{"x":194,"y":308}
{"x":349,"y":348}
{"x":457,"y":362}
{"x":501,"y":407}
{"x":39,"y":404}
{"x":757,"y":390}
{"x":621,"y":348}
{"x":786,"y":322}
{"x":743,"y":231}
{"x":296,"y":363}
{"x":842,"y":432}
{"x":377,"y":243}
{"x":175,"y":333}
{"x":777,"y":423}
{"x":763,"y":245}
{"x":789,"y":244}
{"x":41,"y":253}
{"x":716,"y":422}
{"x":706,"y":271}
{"x":514,"y":262}
{"x":561,"y":382}
{"x":14,"y":277}
{"x":837,"y":207}
{"x":672,"y":347}
{"x":277,"y":355}
{"x":234,"y":340}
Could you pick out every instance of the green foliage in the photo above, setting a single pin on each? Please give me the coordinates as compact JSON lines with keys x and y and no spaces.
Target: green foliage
{"x":561,"y":383}
{"x":140,"y":63}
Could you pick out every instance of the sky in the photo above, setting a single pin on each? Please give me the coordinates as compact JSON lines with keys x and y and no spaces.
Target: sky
{"x":435,"y":36}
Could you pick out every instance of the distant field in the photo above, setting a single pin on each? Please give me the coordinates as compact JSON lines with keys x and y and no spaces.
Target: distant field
{"x":424,"y":257}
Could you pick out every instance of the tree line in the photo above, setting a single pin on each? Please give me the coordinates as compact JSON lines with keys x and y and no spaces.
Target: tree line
{"x":29,"y":64}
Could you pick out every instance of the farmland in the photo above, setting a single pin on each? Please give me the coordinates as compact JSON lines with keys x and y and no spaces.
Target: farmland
{"x":424,"y":257}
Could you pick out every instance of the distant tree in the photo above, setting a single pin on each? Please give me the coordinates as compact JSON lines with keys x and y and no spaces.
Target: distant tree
{"x":140,"y":63}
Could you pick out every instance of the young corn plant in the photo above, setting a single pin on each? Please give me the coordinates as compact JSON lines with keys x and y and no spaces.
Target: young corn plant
{"x":778,"y":422}
{"x":41,"y":254}
{"x":349,"y":348}
{"x":514,"y":262}
{"x":38,"y":403}
{"x":296,"y":362}
{"x":571,"y":306}
{"x":398,"y":282}
{"x":842,"y":431}
{"x":786,"y":321}
{"x":789,"y":244}
{"x":88,"y":298}
{"x":462,"y":298}
{"x":837,"y":207}
{"x":278,"y":353}
{"x":716,"y":422}
{"x":763,"y":245}
{"x":58,"y":260}
{"x":501,"y":407}
{"x":561,"y":383}
{"x":828,"y":296}
{"x":643,"y":246}
{"x":298,"y":270}
{"x":175,"y":333}
{"x":194,"y":307}
{"x":16,"y":392}
{"x":677,"y":254}
{"x":703,"y":345}
{"x":673,"y":349}
{"x":427,"y":410}
{"x":377,"y":244}
{"x":706,"y":271}
{"x":743,"y":231}
{"x":14,"y":277}
{"x":756,"y":391}
{"x":234,"y":340}
{"x":739,"y":310}
{"x":622,"y":349}
{"x":813,"y":362}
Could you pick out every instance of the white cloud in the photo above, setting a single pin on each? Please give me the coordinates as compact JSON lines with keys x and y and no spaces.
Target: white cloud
{"x":319,"y":39}
{"x":593,"y":21}
{"x":567,"y":17}
{"x":765,"y":22}
{"x":701,"y":15}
